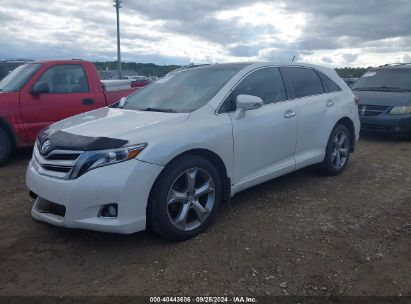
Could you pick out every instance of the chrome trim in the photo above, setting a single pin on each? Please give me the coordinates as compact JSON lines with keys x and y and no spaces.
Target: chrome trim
{"x":43,"y":164}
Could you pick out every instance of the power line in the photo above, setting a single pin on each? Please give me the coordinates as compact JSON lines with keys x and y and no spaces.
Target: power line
{"x":117,"y":5}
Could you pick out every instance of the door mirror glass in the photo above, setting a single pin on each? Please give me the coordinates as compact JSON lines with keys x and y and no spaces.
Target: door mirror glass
{"x":40,"y":88}
{"x":248,"y":102}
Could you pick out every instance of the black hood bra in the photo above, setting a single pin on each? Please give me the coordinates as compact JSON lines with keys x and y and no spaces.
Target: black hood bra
{"x":61,"y":140}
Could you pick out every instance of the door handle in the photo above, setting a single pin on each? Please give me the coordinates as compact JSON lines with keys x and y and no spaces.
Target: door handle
{"x":289,"y":114}
{"x":329,"y":103}
{"x":88,"y":101}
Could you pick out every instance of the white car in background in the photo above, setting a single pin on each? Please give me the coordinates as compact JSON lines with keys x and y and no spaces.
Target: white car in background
{"x":167,"y":155}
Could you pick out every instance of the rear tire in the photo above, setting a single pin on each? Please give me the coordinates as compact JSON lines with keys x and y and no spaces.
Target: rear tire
{"x":185,"y":198}
{"x":338,"y":151}
{"x":5,"y":147}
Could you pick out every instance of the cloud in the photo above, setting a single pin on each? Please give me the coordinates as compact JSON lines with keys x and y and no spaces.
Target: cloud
{"x":406,"y":58}
{"x":173,"y":31}
{"x":349,"y":58}
{"x":327,"y":59}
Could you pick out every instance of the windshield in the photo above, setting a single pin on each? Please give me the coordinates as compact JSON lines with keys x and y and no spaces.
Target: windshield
{"x":385,"y":80}
{"x":184,"y":91}
{"x":18,"y":77}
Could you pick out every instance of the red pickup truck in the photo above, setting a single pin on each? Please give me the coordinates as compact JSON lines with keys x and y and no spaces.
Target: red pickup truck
{"x":40,"y":93}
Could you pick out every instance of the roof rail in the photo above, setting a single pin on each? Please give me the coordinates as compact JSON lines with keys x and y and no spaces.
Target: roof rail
{"x":193,"y":65}
{"x":185,"y":67}
{"x":395,"y":64}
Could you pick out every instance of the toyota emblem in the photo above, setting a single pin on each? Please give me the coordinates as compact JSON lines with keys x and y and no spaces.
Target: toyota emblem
{"x":45,"y":146}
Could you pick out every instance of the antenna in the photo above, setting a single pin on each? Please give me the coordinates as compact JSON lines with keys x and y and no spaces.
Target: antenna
{"x":293,"y":59}
{"x":117,"y":5}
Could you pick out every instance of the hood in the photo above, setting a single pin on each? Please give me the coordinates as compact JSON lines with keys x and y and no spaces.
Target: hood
{"x":118,"y":123}
{"x":383,"y":98}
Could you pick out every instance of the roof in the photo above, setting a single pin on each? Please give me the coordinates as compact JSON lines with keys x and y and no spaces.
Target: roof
{"x":241,"y":65}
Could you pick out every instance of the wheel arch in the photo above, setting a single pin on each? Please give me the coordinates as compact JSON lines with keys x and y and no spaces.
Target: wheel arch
{"x":347,"y":122}
{"x":212,"y":157}
{"x":9,"y":131}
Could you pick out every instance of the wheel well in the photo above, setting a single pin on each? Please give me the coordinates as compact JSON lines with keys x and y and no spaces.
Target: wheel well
{"x":6,"y":127}
{"x":345,"y":121}
{"x":217,"y":162}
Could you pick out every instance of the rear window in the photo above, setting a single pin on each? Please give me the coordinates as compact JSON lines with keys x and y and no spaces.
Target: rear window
{"x":303,"y":82}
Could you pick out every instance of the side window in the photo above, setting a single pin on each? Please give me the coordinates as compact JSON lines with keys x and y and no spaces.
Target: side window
{"x":68,"y":78}
{"x":303,"y":81}
{"x":329,"y":85}
{"x":265,"y":83}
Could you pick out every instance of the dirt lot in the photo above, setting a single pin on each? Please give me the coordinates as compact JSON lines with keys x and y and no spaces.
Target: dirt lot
{"x":302,"y":234}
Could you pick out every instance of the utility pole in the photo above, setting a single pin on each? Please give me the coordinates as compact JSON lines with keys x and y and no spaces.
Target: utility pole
{"x":117,"y":5}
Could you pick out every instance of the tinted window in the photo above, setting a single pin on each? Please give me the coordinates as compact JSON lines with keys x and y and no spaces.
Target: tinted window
{"x":329,"y":85}
{"x":265,"y":83}
{"x":302,"y":81}
{"x":69,"y":78}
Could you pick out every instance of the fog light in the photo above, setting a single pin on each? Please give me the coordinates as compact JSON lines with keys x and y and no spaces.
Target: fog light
{"x":109,"y":211}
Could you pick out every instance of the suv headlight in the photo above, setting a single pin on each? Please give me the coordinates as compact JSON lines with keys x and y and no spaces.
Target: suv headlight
{"x":90,"y":160}
{"x":401,"y":110}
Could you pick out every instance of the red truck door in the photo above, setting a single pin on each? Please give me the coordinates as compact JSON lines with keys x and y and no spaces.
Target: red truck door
{"x":60,"y":91}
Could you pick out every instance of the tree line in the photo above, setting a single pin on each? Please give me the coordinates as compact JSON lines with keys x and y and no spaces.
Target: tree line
{"x":151,"y":69}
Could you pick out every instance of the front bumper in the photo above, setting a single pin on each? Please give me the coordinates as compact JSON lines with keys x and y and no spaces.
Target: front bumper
{"x":386,"y":123}
{"x":126,"y":184}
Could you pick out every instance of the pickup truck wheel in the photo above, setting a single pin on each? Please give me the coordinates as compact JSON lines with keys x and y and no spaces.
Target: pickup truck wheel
{"x":5,"y":147}
{"x":184,"y":198}
{"x":338,"y":151}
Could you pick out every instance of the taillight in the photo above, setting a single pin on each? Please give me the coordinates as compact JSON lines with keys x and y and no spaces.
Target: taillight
{"x":356,"y":100}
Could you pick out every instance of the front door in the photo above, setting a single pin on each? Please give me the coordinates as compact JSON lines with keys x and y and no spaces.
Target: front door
{"x":265,"y":138}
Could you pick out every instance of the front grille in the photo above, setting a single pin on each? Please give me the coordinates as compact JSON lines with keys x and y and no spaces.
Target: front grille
{"x":68,"y":156}
{"x":57,"y":168}
{"x":58,"y":163}
{"x":371,"y":110}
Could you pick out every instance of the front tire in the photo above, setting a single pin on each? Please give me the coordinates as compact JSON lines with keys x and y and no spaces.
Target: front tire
{"x":5,"y":147}
{"x":338,"y":151}
{"x":185,"y":198}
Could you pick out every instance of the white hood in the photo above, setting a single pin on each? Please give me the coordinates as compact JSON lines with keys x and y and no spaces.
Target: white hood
{"x":118,"y":123}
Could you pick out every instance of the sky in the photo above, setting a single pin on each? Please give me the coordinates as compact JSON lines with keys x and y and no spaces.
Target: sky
{"x":354,"y":33}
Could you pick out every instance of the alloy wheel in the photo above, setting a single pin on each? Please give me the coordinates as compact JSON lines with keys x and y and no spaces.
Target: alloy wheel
{"x":339,"y":150}
{"x":190,"y":199}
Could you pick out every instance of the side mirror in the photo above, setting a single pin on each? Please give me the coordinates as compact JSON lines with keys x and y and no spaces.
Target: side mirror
{"x":39,"y":88}
{"x":248,"y":102}
{"x":122,"y":102}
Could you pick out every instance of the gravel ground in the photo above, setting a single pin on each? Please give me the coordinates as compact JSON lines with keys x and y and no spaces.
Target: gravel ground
{"x":301,"y":234}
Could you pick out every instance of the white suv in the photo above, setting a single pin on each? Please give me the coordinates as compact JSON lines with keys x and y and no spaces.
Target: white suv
{"x":167,"y":155}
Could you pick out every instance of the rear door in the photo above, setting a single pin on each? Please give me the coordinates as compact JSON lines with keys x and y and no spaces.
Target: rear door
{"x":312,"y":103}
{"x":69,"y":94}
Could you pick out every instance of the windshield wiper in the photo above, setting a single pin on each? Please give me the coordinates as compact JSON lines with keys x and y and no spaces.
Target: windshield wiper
{"x":159,"y":110}
{"x":382,"y":89}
